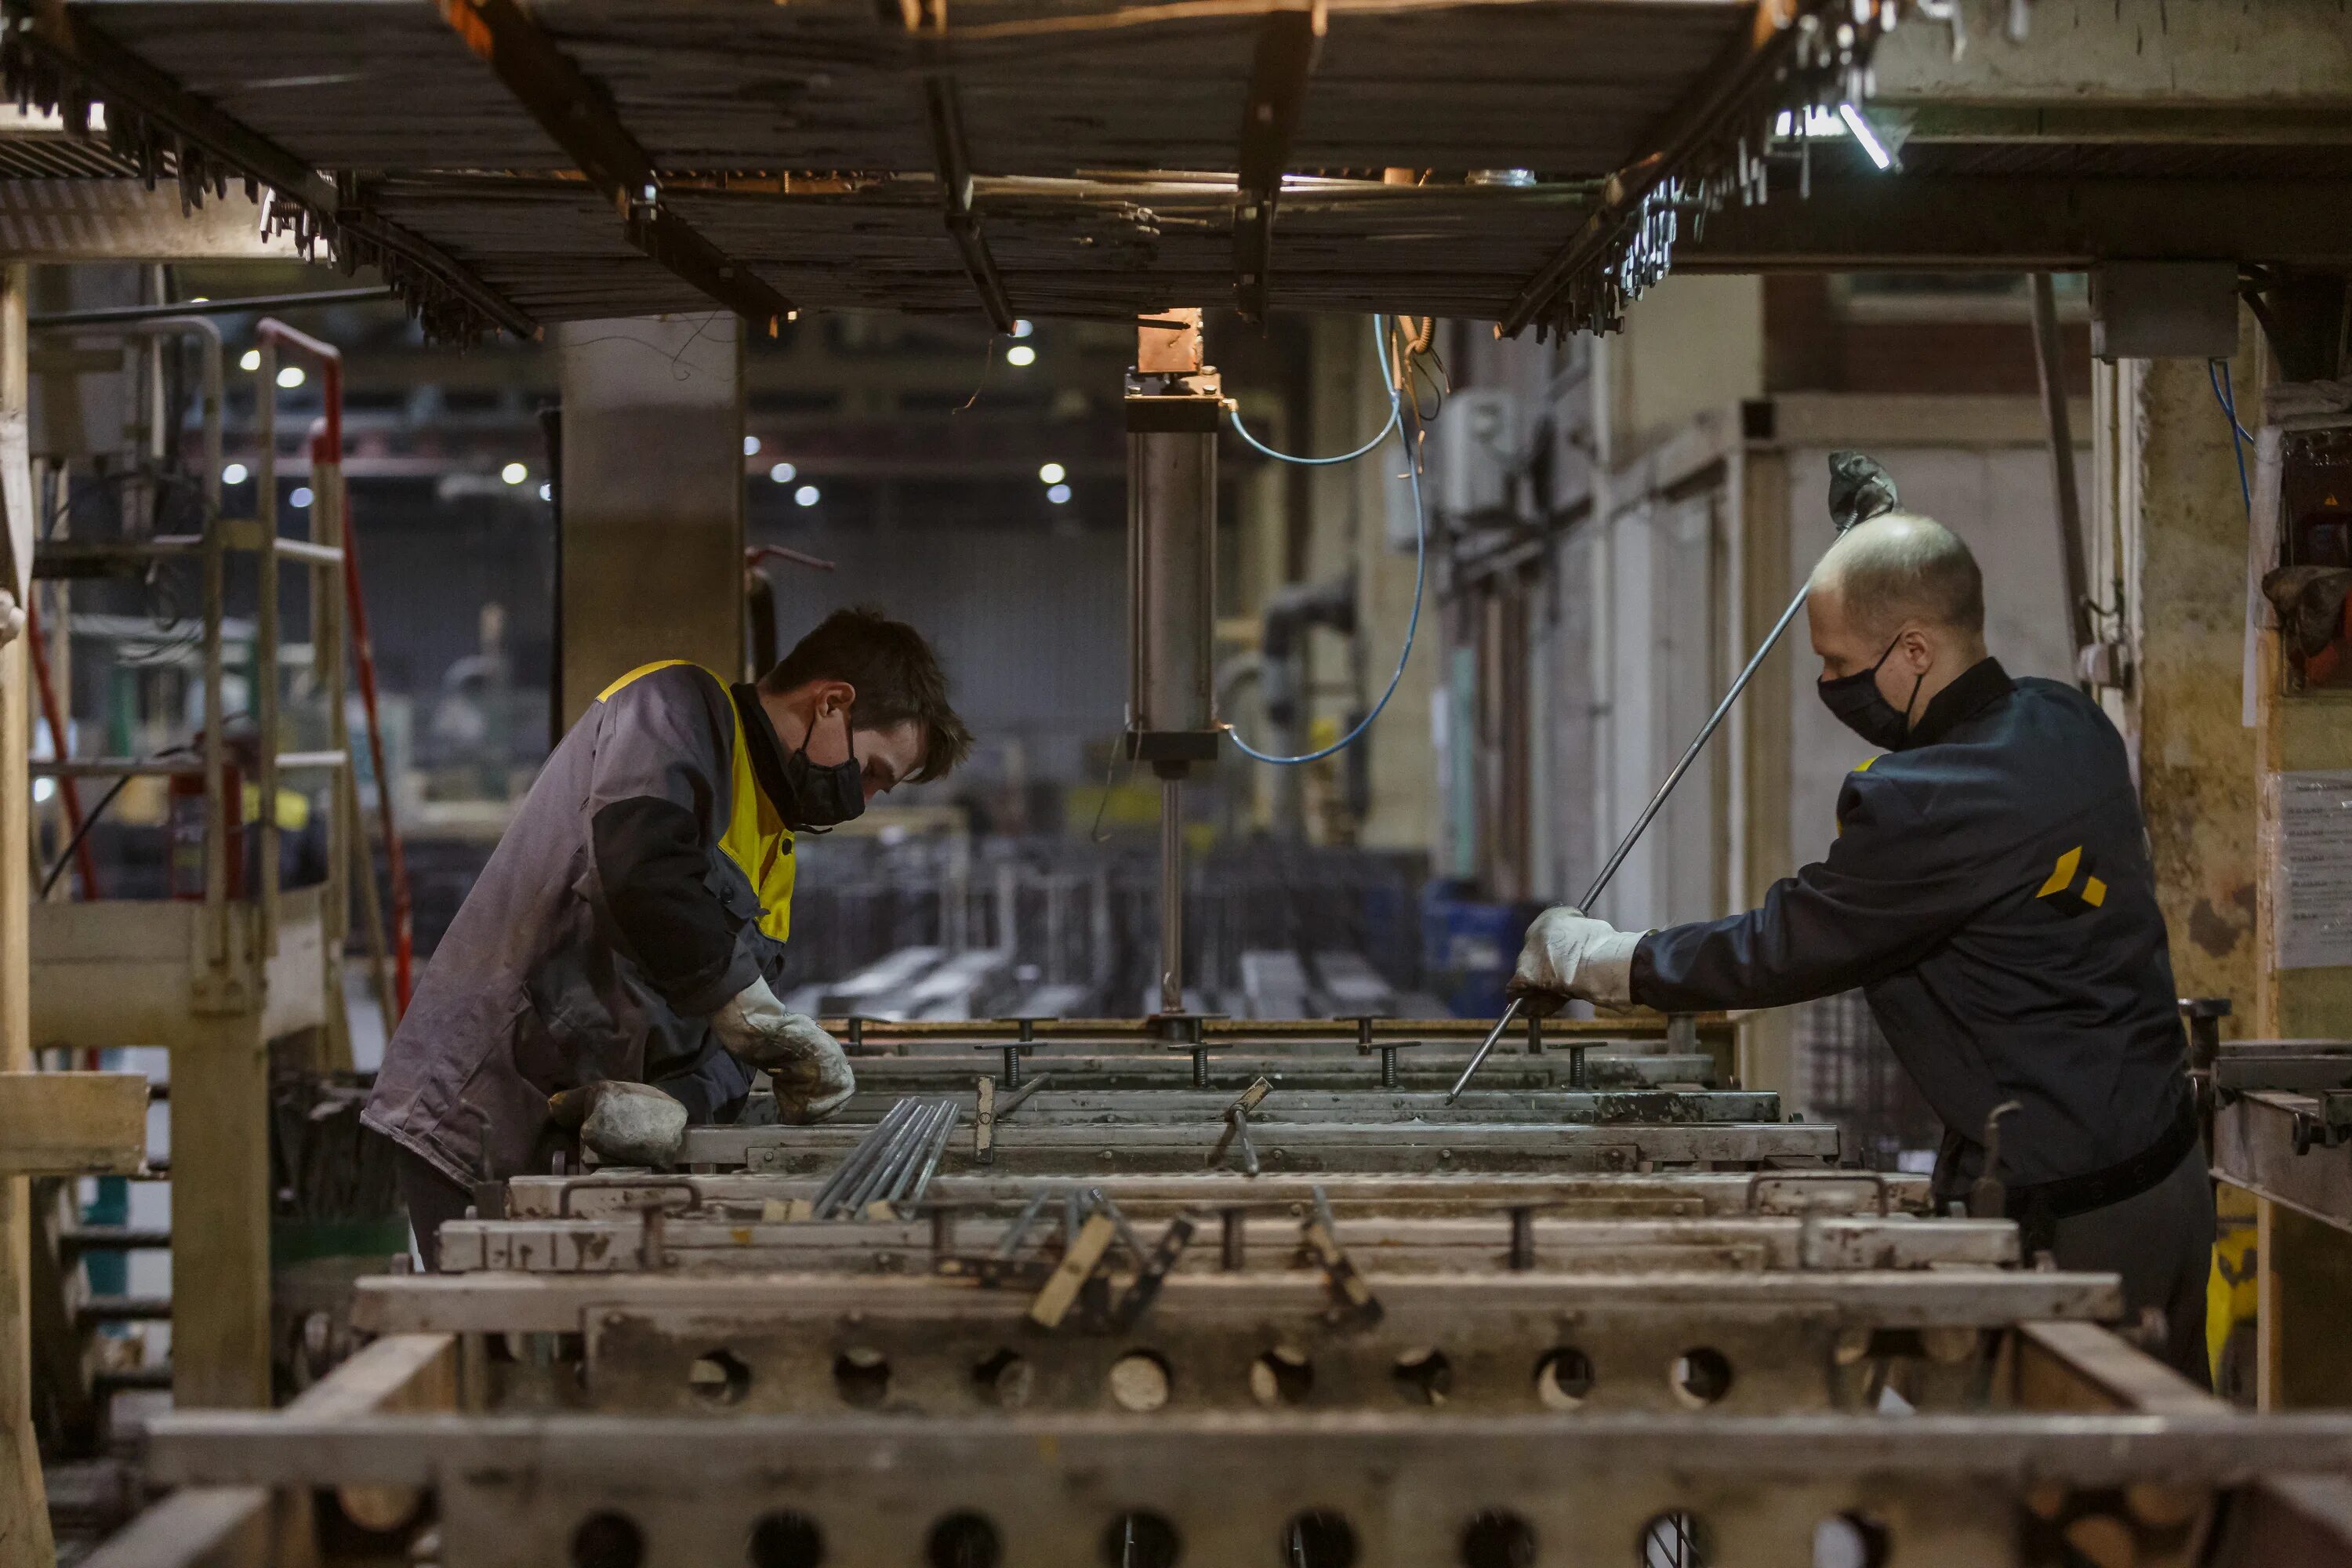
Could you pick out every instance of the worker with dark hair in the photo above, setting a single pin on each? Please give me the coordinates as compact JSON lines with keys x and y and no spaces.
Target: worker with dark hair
{"x":608,"y":976}
{"x":1990,"y":891}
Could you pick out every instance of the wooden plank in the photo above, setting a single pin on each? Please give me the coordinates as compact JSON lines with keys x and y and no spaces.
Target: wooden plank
{"x":220,"y":1216}
{"x":2082,"y":1366}
{"x":195,"y":1527}
{"x":73,"y":1123}
{"x":24,"y":1511}
{"x":220,"y":1527}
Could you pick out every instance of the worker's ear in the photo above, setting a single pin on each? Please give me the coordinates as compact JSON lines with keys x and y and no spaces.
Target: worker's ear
{"x":1914,"y":651}
{"x":832,"y":699}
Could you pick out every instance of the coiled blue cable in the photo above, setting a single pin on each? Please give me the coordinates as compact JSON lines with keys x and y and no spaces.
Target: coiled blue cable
{"x":1420,"y":553}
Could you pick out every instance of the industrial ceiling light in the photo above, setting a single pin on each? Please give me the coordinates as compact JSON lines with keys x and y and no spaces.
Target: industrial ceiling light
{"x":1059,"y":494}
{"x":301,"y":497}
{"x":249,"y":360}
{"x":1023,"y":328}
{"x":783,"y":473}
{"x":547,"y":493}
{"x":1864,"y":135}
{"x":806,"y":495}
{"x":1020,"y":355}
{"x":234,"y":474}
{"x":1053,"y":473}
{"x":750,"y":445}
{"x":291,"y":377}
{"x":514,"y":473}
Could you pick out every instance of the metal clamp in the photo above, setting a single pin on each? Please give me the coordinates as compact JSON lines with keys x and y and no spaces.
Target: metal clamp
{"x":579,"y":1183}
{"x":1388,"y":1049}
{"x":1236,"y":1118}
{"x":1877,"y":1180}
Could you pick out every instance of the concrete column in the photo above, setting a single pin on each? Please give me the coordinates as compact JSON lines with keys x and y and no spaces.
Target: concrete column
{"x":2169,"y":512}
{"x":650,"y":563}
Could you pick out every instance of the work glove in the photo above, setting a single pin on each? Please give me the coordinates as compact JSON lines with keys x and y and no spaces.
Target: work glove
{"x":1569,"y":955}
{"x":624,"y":1123}
{"x":803,"y":1064}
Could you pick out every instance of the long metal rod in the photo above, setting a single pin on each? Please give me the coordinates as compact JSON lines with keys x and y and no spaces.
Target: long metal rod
{"x":121,"y":315}
{"x":1649,"y":814}
{"x":853,"y":1164}
{"x":2050,"y":361}
{"x":1172,"y":896}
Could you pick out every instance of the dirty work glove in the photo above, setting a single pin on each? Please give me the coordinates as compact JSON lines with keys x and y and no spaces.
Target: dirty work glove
{"x":624,"y":1123}
{"x":1569,"y":955}
{"x":805,"y":1065}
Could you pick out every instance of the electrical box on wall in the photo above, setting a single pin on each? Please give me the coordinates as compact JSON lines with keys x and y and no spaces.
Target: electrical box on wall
{"x":2164,"y":310}
{"x":1477,"y":451}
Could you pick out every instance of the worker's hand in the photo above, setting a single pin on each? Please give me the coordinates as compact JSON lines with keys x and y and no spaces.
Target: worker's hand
{"x":811,"y":1076}
{"x":1569,"y":955}
{"x":624,"y":1123}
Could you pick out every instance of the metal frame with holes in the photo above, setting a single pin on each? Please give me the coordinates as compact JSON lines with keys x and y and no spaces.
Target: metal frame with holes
{"x":2140,"y":1485}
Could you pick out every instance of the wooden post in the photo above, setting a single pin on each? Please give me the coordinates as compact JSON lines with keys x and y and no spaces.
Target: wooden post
{"x":24,"y":1510}
{"x":220,"y":1216}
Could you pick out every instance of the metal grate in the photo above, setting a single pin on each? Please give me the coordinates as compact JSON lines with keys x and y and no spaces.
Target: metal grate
{"x":1851,"y":1077}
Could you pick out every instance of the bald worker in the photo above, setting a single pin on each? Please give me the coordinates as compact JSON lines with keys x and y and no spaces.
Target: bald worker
{"x":1990,"y":892}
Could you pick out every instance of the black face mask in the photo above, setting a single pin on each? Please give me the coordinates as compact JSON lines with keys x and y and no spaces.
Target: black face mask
{"x":823,"y":798}
{"x":1859,"y":705}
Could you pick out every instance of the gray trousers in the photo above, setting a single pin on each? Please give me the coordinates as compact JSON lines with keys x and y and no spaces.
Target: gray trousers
{"x":2161,"y":1242}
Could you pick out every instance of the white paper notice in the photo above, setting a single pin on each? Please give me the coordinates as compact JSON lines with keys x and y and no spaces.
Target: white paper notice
{"x":2314,"y":902}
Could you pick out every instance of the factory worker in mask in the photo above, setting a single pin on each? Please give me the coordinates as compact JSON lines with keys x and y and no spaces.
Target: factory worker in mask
{"x":610,"y":976}
{"x":1990,"y":892}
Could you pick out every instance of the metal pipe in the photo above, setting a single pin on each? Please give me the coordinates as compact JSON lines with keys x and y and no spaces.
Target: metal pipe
{"x":266,"y":673}
{"x":2050,"y":361}
{"x":938,"y":1148}
{"x":1633,"y":835}
{"x":886,"y":1163}
{"x":931,"y":1121}
{"x":127,"y":315}
{"x":860,"y":1154}
{"x":1172,"y":896}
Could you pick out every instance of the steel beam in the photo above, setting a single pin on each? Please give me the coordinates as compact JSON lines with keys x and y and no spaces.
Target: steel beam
{"x":1287,"y":44}
{"x":943,"y":113}
{"x":2021,"y":224}
{"x":577,"y":114}
{"x":129,"y":220}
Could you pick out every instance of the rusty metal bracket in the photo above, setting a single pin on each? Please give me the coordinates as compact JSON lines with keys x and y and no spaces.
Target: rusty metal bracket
{"x":1157,"y":1266}
{"x":1287,"y":44}
{"x":943,"y":112}
{"x":578,"y":115}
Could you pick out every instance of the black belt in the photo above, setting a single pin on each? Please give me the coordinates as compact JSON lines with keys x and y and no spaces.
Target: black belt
{"x":2039,"y":1206}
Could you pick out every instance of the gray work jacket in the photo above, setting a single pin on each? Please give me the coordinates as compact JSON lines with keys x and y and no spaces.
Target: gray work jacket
{"x":645,"y":880}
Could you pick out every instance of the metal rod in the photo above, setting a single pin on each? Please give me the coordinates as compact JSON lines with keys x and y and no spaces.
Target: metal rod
{"x":1641,"y":824}
{"x":123,"y":315}
{"x":886,"y":1165}
{"x":2050,"y":360}
{"x":854,"y":1164}
{"x":1172,"y":896}
{"x":938,"y":1147}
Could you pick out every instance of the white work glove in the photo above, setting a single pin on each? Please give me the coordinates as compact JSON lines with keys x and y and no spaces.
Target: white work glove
{"x":624,"y":1123}
{"x":12,"y":618}
{"x":1569,"y":955}
{"x":803,"y":1064}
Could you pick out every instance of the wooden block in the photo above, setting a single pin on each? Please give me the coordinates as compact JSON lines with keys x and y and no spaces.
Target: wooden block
{"x":72,"y":1123}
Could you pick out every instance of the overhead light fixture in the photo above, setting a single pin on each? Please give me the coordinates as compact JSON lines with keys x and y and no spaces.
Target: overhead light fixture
{"x":547,"y":493}
{"x":1053,"y":473}
{"x":301,"y":497}
{"x":234,"y":474}
{"x":1023,"y":328}
{"x":1020,"y":354}
{"x":806,"y":495}
{"x":291,"y":377}
{"x":1818,"y":122}
{"x":1865,"y":135}
{"x":200,"y":299}
{"x":750,"y":445}
{"x":514,"y":473}
{"x":783,"y":473}
{"x":249,"y":360}
{"x":1059,"y":494}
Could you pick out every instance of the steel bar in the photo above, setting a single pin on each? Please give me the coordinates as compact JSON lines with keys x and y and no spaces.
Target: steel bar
{"x":1649,"y":812}
{"x":913,"y":1146}
{"x":932,"y":1158}
{"x":1284,"y":60}
{"x":124,"y":315}
{"x":886,"y":1160}
{"x":2050,"y":361}
{"x":943,"y":113}
{"x":861,"y":1154}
